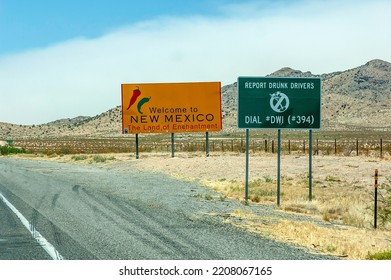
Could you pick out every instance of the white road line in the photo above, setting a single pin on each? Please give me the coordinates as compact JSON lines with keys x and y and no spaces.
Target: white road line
{"x":49,"y":248}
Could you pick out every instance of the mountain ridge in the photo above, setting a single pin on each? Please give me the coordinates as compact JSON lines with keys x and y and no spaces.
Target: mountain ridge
{"x":354,"y":99}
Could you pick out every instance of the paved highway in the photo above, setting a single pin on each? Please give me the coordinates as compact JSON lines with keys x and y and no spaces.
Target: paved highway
{"x":92,"y":212}
{"x":16,"y":242}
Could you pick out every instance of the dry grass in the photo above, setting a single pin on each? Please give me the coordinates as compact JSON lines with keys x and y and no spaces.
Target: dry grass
{"x":342,"y":241}
{"x":335,"y":199}
{"x":346,"y":204}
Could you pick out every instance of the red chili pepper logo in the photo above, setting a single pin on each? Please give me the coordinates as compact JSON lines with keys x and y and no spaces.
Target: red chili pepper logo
{"x":133,"y":99}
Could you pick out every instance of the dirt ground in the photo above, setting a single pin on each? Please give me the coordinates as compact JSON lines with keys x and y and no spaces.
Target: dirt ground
{"x":232,"y":166}
{"x":354,"y":170}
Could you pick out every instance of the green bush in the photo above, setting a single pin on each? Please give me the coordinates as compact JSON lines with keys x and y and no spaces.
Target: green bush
{"x":386,"y":255}
{"x":99,"y":158}
{"x":66,"y":150}
{"x":384,"y":208}
{"x":79,"y":157}
{"x":7,"y":150}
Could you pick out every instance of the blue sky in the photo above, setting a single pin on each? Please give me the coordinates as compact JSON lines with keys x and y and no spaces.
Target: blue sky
{"x":61,"y":59}
{"x":26,"y":24}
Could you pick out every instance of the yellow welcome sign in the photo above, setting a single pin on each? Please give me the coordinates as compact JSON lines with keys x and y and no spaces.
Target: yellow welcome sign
{"x":171,"y":107}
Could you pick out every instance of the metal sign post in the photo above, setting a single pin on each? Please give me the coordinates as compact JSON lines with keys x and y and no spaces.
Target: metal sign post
{"x":375,"y":209}
{"x":207,"y":143}
{"x":136,"y":146}
{"x":172,"y":145}
{"x":310,"y":167}
{"x":246,"y":183}
{"x":278,"y":167}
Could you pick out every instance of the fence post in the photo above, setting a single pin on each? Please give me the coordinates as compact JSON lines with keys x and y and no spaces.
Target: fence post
{"x":335,"y":146}
{"x":207,"y":143}
{"x":272,"y":146}
{"x":356,"y":146}
{"x":317,"y":147}
{"x":289,"y":146}
{"x":266,"y":146}
{"x":381,"y":147}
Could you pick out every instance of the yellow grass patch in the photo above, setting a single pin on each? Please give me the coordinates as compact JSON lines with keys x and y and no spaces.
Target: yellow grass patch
{"x":342,"y":241}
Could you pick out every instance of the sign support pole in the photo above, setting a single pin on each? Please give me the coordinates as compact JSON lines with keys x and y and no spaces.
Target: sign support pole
{"x":375,"y":209}
{"x":172,"y":145}
{"x":310,"y":166}
{"x":247,"y":144}
{"x":278,"y":166}
{"x":136,"y":146}
{"x":207,"y":143}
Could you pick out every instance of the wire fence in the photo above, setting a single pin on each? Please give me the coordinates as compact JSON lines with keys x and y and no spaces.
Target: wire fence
{"x":341,"y":147}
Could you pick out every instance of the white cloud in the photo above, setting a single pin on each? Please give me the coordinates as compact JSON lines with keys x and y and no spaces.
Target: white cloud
{"x":83,"y":77}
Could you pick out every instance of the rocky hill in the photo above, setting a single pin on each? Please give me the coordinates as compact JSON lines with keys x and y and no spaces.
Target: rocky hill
{"x":355,"y":99}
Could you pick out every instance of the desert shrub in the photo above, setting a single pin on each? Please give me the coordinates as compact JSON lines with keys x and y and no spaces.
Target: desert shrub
{"x":330,"y":178}
{"x":99,"y":158}
{"x":386,"y":255}
{"x":348,"y":149}
{"x":6,"y":150}
{"x":254,"y":198}
{"x":79,"y":157}
{"x":268,"y":179}
{"x":66,"y":150}
{"x":384,"y":209}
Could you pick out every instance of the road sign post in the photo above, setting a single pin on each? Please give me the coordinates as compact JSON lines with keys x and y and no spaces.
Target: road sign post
{"x":172,"y":145}
{"x":247,"y":169}
{"x":375,"y":208}
{"x":207,"y":143}
{"x":280,"y":103}
{"x":279,"y":167}
{"x":310,"y":166}
{"x":137,"y":156}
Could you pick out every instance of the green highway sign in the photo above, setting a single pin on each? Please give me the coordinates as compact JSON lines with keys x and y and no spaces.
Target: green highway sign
{"x":272,"y":102}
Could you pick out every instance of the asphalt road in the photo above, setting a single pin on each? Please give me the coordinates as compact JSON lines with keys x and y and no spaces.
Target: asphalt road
{"x":16,"y":242}
{"x":90,"y":212}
